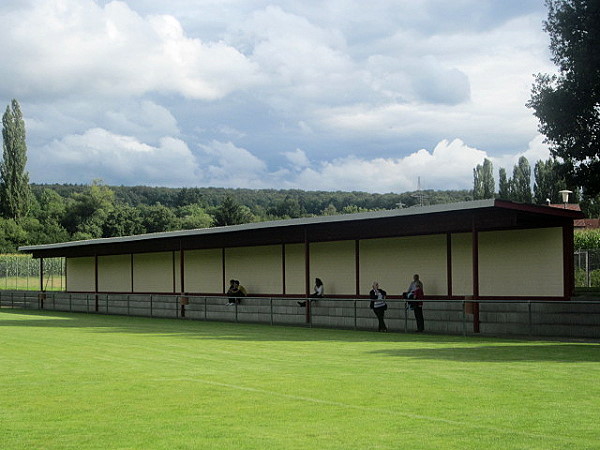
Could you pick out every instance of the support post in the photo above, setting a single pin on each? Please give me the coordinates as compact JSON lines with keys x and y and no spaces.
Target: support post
{"x":475,"y":255}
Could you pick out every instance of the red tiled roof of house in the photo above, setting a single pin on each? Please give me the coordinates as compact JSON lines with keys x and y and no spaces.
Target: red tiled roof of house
{"x":571,"y":206}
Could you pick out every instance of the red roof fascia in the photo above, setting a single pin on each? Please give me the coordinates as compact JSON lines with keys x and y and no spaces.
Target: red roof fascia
{"x":540,"y":209}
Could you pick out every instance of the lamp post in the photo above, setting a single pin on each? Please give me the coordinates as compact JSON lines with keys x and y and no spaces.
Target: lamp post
{"x":565,"y":196}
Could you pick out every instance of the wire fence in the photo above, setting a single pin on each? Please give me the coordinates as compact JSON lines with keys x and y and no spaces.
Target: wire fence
{"x":574,"y":319}
{"x":22,"y":272}
{"x":587,"y":268}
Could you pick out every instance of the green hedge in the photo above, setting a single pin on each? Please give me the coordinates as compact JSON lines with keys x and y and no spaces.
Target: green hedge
{"x":580,"y":280}
{"x":587,"y":239}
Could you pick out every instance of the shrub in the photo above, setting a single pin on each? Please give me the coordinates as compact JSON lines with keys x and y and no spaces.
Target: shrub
{"x":587,"y":239}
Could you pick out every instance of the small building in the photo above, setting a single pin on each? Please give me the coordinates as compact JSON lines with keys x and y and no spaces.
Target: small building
{"x":486,"y":249}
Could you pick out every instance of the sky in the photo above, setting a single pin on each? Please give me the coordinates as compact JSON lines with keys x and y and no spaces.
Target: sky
{"x":347,"y":95}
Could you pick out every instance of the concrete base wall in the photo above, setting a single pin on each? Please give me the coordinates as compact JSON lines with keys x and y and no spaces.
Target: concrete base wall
{"x":544,"y":319}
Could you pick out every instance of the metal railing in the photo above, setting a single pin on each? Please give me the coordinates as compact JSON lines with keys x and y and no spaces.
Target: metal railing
{"x":577,"y":318}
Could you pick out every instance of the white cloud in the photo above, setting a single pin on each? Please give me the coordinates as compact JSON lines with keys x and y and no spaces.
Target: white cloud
{"x":355,"y":88}
{"x":226,"y":165}
{"x":116,"y":159}
{"x":298,"y":158}
{"x":449,"y":166}
{"x":537,"y":150}
{"x":69,"y":47}
{"x":146,"y":120}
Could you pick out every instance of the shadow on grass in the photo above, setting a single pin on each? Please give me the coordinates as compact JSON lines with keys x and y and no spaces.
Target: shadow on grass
{"x":190,"y":328}
{"x":563,"y":352}
{"x":513,"y":350}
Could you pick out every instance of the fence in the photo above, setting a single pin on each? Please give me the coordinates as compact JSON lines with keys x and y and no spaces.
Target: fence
{"x":534,"y":318}
{"x":22,"y":272}
{"x":587,"y":268}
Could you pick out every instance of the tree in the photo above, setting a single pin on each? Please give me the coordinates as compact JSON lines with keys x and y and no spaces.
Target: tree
{"x":548,"y":182}
{"x":568,"y":104}
{"x":504,"y":185}
{"x":158,"y":218}
{"x":289,"y":207}
{"x":14,"y":180}
{"x":12,"y":235}
{"x":483,"y":180}
{"x":87,"y":211}
{"x":231,"y":212}
{"x":521,"y":181}
{"x":478,"y":182}
{"x":123,"y":220}
{"x":193,"y":216}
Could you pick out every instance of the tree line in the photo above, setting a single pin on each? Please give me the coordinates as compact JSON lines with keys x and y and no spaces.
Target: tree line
{"x":546,"y":179}
{"x":58,"y":213}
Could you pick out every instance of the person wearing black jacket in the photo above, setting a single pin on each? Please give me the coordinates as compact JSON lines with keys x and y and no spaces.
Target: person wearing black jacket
{"x":378,"y":304}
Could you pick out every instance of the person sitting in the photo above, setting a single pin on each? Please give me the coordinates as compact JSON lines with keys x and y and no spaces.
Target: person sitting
{"x":235,"y":292}
{"x":319,"y":291}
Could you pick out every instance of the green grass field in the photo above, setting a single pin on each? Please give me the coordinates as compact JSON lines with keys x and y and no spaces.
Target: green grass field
{"x":91,"y":381}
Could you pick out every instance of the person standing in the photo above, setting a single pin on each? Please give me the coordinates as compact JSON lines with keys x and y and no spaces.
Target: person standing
{"x":415,"y":291}
{"x":378,"y":305}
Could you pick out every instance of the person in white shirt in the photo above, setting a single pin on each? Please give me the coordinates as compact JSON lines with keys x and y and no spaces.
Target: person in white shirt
{"x":318,"y":293}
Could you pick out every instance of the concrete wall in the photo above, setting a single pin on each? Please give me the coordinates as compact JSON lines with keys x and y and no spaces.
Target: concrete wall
{"x":517,"y":263}
{"x":259,"y":269}
{"x":81,"y":274}
{"x":114,"y":273}
{"x":335,"y":264}
{"x":203,"y":270}
{"x":521,"y":262}
{"x":462,"y":264}
{"x":155,"y":272}
{"x":295,"y":269}
{"x":393,"y":262}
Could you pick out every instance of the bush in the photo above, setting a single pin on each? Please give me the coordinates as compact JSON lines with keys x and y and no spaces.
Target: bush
{"x":595,"y":278}
{"x":587,"y":239}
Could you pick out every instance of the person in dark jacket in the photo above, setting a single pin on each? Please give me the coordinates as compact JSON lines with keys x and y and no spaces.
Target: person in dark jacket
{"x":378,"y":304}
{"x":415,"y":292}
{"x":235,"y":292}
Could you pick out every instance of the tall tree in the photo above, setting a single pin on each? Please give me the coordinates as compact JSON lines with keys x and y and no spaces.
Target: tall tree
{"x":489,"y":184}
{"x":521,"y":181}
{"x":568,"y":104}
{"x":14,"y":180}
{"x":548,"y":182}
{"x":504,"y":185}
{"x":483,"y":180}
{"x":478,"y":182}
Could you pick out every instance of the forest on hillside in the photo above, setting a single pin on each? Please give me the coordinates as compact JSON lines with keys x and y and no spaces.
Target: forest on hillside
{"x":63,"y":212}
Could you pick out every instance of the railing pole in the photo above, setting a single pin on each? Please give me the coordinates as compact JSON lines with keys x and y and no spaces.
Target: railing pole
{"x":355,"y":320}
{"x":530,"y":318}
{"x":271,"y":306}
{"x":464,"y":314}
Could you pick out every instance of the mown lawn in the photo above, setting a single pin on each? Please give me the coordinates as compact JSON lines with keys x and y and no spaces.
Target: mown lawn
{"x":92,"y":381}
